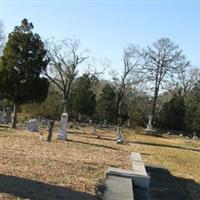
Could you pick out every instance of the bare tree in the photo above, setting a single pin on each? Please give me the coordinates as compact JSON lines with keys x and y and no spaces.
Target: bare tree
{"x":65,"y":57}
{"x":2,"y":38}
{"x":131,"y":62}
{"x":187,"y":78}
{"x":161,"y":62}
{"x":92,"y":72}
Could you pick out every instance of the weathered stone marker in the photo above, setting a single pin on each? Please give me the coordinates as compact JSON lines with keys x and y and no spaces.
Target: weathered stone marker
{"x":32,"y":125}
{"x":120,"y":136}
{"x":63,"y":127}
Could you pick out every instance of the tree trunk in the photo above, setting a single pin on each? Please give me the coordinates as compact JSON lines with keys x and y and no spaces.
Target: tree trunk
{"x":118,"y":111}
{"x":14,"y":118}
{"x":154,"y":104}
{"x":50,"y":131}
{"x":65,"y":108}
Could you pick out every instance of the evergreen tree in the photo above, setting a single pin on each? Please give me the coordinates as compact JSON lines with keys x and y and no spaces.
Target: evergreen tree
{"x":21,"y":65}
{"x":83,"y":98}
{"x":173,"y":113}
{"x":106,"y":105}
{"x":192,"y":119}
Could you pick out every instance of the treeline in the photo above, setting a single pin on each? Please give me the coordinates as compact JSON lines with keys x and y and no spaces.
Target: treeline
{"x":43,"y":79}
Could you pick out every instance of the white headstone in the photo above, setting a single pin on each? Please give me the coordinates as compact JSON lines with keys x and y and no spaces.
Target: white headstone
{"x":149,"y":125}
{"x":63,"y":127}
{"x":194,"y":136}
{"x":94,"y":129}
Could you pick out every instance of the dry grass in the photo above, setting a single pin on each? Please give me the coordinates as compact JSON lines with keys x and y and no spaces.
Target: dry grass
{"x":78,"y":164}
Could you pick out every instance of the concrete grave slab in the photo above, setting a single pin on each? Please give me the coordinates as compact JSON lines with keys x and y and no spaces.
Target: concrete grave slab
{"x":118,"y":188}
{"x":139,"y":180}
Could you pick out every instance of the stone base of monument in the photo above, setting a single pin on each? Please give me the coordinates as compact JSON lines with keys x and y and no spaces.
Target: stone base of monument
{"x":149,"y":131}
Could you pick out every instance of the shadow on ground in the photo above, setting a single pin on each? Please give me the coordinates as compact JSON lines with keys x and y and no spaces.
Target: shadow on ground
{"x":165,"y":186}
{"x":96,"y":145}
{"x":163,"y":145}
{"x":35,"y":190}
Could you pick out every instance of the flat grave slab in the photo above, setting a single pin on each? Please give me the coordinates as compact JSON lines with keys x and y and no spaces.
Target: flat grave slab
{"x":118,"y":188}
{"x":138,"y":179}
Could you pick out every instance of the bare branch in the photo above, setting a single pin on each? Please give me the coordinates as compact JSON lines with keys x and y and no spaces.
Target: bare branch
{"x":63,"y":67}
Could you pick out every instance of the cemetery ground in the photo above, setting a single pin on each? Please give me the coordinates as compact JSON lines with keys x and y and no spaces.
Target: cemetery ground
{"x":31,"y":168}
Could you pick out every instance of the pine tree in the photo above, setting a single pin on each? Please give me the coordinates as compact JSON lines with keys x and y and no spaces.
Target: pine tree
{"x":21,"y":65}
{"x":173,"y":113}
{"x":106,"y":105}
{"x":192,"y":119}
{"x":83,"y":97}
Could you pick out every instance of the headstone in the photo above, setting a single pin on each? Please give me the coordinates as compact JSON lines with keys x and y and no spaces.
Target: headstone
{"x":120,"y":140}
{"x":32,"y":125}
{"x":63,"y":127}
{"x":194,"y":136}
{"x":94,"y":129}
{"x":129,"y":123}
{"x":149,"y":125}
{"x":5,"y":116}
{"x":44,"y":122}
{"x":149,"y":128}
{"x":120,"y":136}
{"x":105,"y":124}
{"x":90,"y":122}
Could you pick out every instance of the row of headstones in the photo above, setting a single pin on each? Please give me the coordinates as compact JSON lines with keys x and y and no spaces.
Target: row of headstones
{"x":6,"y":116}
{"x":33,"y":126}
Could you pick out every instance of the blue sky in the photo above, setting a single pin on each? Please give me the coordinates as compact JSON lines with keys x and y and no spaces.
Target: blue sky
{"x":106,"y":27}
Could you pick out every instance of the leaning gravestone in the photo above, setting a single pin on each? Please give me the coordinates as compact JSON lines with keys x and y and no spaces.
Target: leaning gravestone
{"x":32,"y":125}
{"x":63,"y":127}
